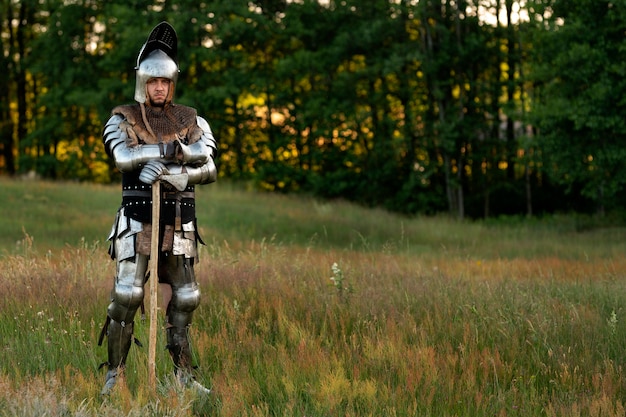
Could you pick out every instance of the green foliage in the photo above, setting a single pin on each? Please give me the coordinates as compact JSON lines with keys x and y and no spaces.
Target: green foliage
{"x":418,"y":107}
{"x":579,"y":113}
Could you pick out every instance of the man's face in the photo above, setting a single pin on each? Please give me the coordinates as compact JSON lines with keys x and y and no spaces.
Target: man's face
{"x":158,"y":91}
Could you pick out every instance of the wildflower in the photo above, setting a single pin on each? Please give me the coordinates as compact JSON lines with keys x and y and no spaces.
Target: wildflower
{"x":337,"y":278}
{"x":612,"y":322}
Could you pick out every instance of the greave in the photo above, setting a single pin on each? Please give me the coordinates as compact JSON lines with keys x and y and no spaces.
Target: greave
{"x":179,"y":348}
{"x":120,"y":337}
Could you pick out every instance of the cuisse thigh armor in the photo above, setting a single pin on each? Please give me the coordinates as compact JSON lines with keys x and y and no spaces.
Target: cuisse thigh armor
{"x":128,"y":291}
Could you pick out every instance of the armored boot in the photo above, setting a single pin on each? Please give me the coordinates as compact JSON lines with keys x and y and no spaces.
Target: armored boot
{"x":120,"y":337}
{"x":180,"y":351}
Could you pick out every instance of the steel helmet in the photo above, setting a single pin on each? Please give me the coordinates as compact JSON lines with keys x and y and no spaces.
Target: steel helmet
{"x":158,"y":58}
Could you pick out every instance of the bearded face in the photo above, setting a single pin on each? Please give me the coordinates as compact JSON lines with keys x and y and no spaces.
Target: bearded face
{"x":158,"y":90}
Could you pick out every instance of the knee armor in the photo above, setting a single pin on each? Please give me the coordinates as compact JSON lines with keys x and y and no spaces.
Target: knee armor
{"x":125,"y":300}
{"x":128,"y":291}
{"x":184,"y":301}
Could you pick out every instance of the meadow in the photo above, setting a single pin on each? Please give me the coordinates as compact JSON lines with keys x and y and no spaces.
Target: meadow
{"x":317,"y":308}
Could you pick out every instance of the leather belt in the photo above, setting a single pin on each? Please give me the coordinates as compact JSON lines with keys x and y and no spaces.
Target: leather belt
{"x":167,"y":195}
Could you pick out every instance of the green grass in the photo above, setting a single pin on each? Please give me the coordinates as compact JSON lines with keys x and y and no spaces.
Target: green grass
{"x":55,"y":215}
{"x":424,"y":317}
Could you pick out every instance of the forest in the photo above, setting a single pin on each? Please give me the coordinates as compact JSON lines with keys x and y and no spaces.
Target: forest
{"x":473,"y":108}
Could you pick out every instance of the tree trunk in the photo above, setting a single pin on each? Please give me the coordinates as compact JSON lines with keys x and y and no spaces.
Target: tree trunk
{"x":22,"y":119}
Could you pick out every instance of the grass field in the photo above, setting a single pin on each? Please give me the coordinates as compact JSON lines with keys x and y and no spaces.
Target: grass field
{"x":321,"y":309}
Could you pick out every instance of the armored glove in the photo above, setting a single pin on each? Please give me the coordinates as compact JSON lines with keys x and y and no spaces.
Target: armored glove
{"x":197,"y":153}
{"x":156,"y":170}
{"x":153,"y":171}
{"x":178,"y":175}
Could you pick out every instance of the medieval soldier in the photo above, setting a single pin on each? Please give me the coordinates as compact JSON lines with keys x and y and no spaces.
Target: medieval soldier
{"x":156,"y":140}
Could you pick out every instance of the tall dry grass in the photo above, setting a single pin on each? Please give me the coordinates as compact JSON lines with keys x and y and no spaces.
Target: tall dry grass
{"x":434,"y":318}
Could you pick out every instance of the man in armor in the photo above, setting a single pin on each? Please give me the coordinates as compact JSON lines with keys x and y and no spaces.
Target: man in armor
{"x":155,"y":140}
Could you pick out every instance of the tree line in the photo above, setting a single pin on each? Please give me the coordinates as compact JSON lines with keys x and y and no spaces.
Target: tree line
{"x":476,"y":108}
